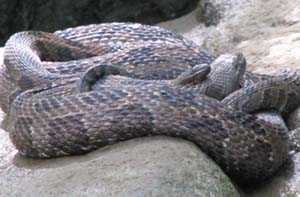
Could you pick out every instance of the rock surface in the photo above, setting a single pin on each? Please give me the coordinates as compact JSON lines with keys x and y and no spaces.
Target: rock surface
{"x":156,"y":166}
{"x":266,"y":32}
{"x":50,"y":15}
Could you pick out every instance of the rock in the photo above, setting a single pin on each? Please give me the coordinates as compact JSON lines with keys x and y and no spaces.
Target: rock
{"x":266,"y":32}
{"x":50,"y":15}
{"x":285,"y":183}
{"x":295,"y":140}
{"x":157,"y":166}
{"x":214,"y":25}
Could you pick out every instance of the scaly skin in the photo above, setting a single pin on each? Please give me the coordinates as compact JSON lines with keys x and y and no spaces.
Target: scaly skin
{"x":51,"y":117}
{"x":58,"y":120}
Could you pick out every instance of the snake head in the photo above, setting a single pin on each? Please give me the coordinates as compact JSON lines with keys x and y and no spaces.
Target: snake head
{"x":226,"y":75}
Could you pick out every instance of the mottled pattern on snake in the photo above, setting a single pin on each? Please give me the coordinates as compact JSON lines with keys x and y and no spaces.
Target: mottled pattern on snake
{"x":291,"y":76}
{"x":161,"y":51}
{"x":146,"y":52}
{"x":55,"y":120}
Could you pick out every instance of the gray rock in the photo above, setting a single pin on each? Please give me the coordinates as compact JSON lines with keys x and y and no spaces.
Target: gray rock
{"x":266,"y":32}
{"x":157,"y":166}
{"x":295,"y":140}
{"x":214,"y":25}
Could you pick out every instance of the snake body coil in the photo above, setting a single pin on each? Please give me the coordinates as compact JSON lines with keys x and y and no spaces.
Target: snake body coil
{"x":59,"y":111}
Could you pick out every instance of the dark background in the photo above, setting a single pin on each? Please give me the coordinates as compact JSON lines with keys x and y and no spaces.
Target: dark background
{"x":51,"y":15}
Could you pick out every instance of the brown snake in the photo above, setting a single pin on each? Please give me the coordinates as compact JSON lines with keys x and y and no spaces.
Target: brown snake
{"x":55,"y":110}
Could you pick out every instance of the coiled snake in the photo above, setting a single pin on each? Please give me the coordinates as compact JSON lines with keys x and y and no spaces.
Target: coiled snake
{"x":83,"y":88}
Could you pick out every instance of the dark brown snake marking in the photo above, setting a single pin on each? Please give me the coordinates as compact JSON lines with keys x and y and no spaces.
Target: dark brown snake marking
{"x":54,"y":116}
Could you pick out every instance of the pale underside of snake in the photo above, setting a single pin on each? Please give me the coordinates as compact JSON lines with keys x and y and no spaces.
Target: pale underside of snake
{"x":87,"y":87}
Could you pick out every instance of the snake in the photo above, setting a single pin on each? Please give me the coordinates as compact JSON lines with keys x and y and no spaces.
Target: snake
{"x":82,"y":88}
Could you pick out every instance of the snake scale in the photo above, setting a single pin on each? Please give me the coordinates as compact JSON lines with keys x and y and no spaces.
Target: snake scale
{"x":82,"y":88}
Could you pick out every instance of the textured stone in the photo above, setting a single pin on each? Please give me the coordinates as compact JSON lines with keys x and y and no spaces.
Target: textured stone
{"x":267,"y":32}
